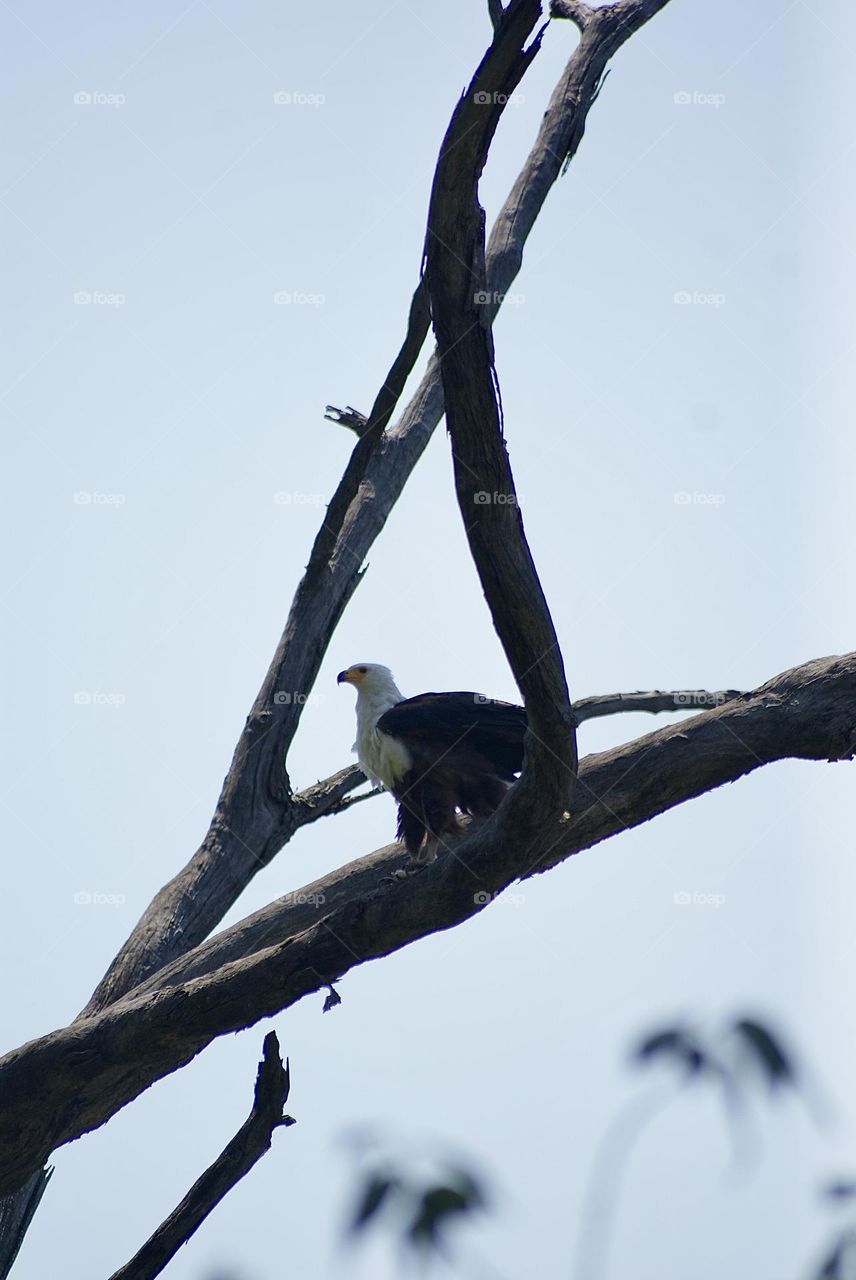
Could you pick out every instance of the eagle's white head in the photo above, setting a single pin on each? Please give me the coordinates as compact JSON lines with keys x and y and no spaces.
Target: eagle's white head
{"x":368,"y":678}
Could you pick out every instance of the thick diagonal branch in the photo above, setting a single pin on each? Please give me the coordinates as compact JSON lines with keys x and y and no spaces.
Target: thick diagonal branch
{"x":457,"y":284}
{"x":236,"y":1160}
{"x":64,"y":1084}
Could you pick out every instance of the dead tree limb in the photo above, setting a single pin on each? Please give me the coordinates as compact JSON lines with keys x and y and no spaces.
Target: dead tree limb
{"x":484,"y":484}
{"x":60,"y":1086}
{"x":579,"y":13}
{"x":612,"y":704}
{"x":236,"y":1160}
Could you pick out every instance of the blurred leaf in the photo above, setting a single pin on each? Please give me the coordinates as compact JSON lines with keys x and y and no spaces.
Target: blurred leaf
{"x":375,"y":1193}
{"x":840,"y":1190}
{"x":439,"y":1206}
{"x":676,"y":1044}
{"x":830,"y":1268}
{"x":768,"y":1052}
{"x":331,"y":1000}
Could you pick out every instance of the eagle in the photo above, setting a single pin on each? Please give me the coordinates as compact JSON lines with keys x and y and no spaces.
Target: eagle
{"x":438,"y":753}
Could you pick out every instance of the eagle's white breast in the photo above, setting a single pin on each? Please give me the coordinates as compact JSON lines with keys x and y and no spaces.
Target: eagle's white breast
{"x":382,"y":758}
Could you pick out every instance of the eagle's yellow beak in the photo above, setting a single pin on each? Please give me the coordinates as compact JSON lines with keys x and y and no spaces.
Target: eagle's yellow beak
{"x":352,"y":675}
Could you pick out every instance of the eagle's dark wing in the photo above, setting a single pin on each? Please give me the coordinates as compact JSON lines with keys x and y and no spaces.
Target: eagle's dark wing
{"x":452,"y":724}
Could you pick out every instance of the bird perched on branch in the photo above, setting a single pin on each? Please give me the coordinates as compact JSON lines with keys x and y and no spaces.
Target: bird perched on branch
{"x":438,"y":753}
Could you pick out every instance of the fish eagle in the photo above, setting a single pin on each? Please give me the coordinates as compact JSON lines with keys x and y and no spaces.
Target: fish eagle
{"x":438,"y":753}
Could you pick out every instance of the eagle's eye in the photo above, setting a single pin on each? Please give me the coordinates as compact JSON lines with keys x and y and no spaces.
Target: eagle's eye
{"x":362,"y":670}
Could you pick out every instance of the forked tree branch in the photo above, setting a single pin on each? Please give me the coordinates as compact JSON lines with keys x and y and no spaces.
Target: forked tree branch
{"x":236,"y":1160}
{"x":250,"y":825}
{"x":64,"y":1084}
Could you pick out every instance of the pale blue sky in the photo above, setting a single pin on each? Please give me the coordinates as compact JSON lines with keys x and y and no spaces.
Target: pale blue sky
{"x":182,"y":199}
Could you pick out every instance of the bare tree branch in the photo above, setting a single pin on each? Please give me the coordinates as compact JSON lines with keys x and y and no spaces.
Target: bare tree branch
{"x":16,"y":1214}
{"x":579,"y":13}
{"x":495,"y":12}
{"x":236,"y":1160}
{"x":612,"y":704}
{"x":60,"y":1086}
{"x":347,"y":417}
{"x":484,"y":484}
